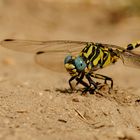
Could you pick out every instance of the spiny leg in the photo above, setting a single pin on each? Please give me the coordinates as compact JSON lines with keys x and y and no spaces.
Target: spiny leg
{"x":105,"y":78}
{"x":87,"y":86}
{"x":91,"y":82}
{"x":79,"y":81}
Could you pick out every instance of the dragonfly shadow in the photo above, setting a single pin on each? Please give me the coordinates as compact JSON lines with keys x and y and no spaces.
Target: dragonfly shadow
{"x":68,"y":90}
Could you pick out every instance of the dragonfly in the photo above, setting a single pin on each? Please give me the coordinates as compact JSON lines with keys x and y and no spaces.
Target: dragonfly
{"x":80,"y":59}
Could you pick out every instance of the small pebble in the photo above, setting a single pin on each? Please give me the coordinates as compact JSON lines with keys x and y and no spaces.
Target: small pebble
{"x":75,"y":100}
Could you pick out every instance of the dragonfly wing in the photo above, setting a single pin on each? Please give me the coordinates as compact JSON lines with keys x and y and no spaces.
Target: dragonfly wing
{"x":131,"y":59}
{"x":52,"y":60}
{"x":49,"y":54}
{"x":30,"y":46}
{"x":21,"y":45}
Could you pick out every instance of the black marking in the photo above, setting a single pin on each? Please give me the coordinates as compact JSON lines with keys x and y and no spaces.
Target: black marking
{"x":9,"y":40}
{"x":105,"y":57}
{"x":99,"y":45}
{"x":130,"y":47}
{"x":110,"y":50}
{"x":40,"y":52}
{"x":137,"y":45}
{"x":87,"y":48}
{"x":92,"y":53}
{"x":96,"y":54}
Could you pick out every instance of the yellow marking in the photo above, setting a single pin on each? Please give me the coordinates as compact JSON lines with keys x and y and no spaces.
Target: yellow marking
{"x":89,"y":52}
{"x":74,"y":70}
{"x":69,"y":66}
{"x":89,"y":67}
{"x":106,"y":49}
{"x":71,"y":69}
{"x":135,"y":44}
{"x":74,"y":74}
{"x":100,"y":56}
{"x":108,"y":61}
{"x":95,"y":61}
{"x":114,"y":58}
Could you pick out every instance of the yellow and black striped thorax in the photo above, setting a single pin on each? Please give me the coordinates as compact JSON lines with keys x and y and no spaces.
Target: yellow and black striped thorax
{"x":98,"y":56}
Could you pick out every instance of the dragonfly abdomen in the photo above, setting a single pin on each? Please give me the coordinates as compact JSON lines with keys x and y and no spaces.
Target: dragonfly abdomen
{"x":132,"y":46}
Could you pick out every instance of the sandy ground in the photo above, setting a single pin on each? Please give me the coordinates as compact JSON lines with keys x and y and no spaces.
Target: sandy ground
{"x":35,"y":103}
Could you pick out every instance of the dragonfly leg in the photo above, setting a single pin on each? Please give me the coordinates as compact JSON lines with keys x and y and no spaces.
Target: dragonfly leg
{"x":91,"y":82}
{"x":79,"y":81}
{"x":87,"y":87}
{"x":105,"y":78}
{"x":70,"y":80}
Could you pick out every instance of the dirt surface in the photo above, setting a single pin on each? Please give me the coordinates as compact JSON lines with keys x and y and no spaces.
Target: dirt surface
{"x":35,"y":103}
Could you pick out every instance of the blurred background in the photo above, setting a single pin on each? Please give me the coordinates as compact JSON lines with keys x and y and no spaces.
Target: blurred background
{"x":106,"y":21}
{"x":91,"y":20}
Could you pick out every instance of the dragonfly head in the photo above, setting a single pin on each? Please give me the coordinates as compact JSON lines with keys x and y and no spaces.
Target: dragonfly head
{"x":74,"y":65}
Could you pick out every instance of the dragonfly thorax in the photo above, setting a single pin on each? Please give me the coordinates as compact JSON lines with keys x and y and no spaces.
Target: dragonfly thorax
{"x":74,"y":65}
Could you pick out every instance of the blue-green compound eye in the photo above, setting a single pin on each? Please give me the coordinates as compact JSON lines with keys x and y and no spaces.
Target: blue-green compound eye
{"x":79,"y":63}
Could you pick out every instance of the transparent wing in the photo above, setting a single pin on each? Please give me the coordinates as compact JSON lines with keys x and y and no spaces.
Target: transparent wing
{"x":43,"y":46}
{"x":49,"y":54}
{"x":52,"y":60}
{"x":131,"y":59}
